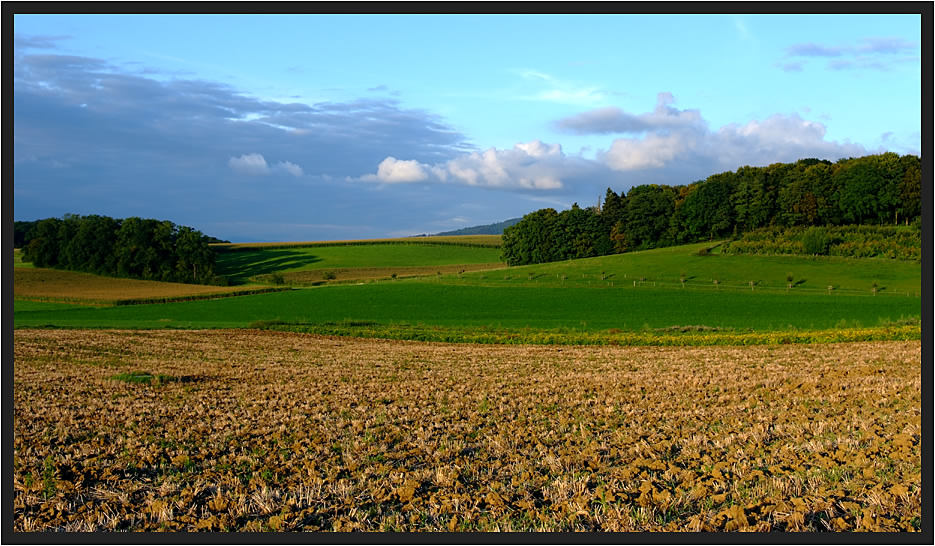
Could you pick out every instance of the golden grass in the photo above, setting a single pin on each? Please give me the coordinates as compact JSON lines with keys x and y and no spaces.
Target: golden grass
{"x":280,"y":431}
{"x":39,"y":284}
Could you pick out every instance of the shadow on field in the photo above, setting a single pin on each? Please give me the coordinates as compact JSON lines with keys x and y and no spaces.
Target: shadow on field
{"x":240,"y":266}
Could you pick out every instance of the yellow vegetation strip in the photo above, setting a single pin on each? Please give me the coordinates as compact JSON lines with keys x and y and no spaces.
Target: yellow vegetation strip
{"x":53,"y":286}
{"x":548,"y":337}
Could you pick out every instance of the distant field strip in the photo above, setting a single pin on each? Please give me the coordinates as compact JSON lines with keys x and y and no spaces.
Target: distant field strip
{"x":347,"y":274}
{"x":450,"y":240}
{"x":661,"y":337}
{"x":244,"y":265}
{"x":50,"y":285}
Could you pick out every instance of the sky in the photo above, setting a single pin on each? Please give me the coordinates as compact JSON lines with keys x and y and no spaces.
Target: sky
{"x":327,"y":127}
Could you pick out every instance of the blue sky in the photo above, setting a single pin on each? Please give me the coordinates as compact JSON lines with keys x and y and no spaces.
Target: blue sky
{"x":316,"y":127}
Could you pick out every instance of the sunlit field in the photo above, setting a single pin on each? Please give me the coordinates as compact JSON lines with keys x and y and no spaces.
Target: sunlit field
{"x":248,"y":430}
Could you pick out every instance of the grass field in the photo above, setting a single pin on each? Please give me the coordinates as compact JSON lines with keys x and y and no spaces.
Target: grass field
{"x":665,"y":266}
{"x":352,"y":261}
{"x":585,"y":309}
{"x":269,"y":431}
{"x":631,"y":292}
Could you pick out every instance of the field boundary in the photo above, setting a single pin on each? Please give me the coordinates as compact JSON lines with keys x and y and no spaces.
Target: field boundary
{"x":253,"y":247}
{"x":144,"y":301}
{"x":676,"y":336}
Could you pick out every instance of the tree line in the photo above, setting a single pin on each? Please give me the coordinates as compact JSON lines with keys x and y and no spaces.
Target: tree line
{"x":134,"y":248}
{"x":881,"y":189}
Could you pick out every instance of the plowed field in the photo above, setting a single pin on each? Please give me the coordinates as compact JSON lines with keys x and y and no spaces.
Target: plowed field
{"x":249,"y":430}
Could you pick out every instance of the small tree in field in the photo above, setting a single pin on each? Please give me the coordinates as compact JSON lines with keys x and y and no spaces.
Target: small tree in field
{"x":789,"y":279}
{"x":874,"y":288}
{"x":682,"y":279}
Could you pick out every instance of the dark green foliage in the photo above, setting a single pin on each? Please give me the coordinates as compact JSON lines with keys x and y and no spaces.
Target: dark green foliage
{"x":883,"y":189}
{"x":548,"y":236}
{"x":648,"y":213}
{"x":815,"y":241}
{"x":20,"y":229}
{"x":134,"y":248}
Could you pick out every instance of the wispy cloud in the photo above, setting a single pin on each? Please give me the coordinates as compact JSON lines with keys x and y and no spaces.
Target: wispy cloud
{"x":875,"y":53}
{"x":548,"y":88}
{"x":813,"y":50}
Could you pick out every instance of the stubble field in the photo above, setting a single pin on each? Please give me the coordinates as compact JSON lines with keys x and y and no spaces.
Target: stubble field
{"x":262,"y":430}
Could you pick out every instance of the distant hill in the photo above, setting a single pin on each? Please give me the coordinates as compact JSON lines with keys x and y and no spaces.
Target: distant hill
{"x":489,"y":229}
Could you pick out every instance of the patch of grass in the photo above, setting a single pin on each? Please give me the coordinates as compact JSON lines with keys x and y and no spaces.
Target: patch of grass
{"x":144,"y":378}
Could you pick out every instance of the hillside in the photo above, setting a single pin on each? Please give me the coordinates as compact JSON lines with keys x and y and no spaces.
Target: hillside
{"x":489,"y":229}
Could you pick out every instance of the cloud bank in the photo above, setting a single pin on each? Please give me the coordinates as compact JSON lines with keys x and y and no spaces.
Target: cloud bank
{"x":674,"y":143}
{"x":527,"y":167}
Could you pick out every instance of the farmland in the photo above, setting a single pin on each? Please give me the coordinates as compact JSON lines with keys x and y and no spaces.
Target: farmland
{"x":605,"y":394}
{"x":50,"y":285}
{"x":305,"y":263}
{"x":632,"y":292}
{"x":250,"y":430}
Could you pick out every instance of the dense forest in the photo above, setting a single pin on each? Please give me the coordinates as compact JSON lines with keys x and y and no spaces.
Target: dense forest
{"x":882,"y":189}
{"x":134,"y":248}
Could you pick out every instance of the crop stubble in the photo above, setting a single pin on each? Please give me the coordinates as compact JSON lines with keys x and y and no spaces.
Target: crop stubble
{"x":280,"y":431}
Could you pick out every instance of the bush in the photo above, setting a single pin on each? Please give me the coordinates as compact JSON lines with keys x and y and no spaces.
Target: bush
{"x":277,"y":278}
{"x":815,"y":241}
{"x":329,"y":275}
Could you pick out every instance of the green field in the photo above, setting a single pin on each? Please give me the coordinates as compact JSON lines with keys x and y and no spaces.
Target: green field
{"x":638,"y":292}
{"x":585,"y":309}
{"x":665,"y":266}
{"x":239,"y":266}
{"x":18,"y":259}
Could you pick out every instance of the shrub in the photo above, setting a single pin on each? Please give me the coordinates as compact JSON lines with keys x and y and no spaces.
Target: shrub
{"x":815,"y":241}
{"x":329,"y":275}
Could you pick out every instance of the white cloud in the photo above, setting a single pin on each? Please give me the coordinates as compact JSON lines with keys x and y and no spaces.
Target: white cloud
{"x":654,"y":151}
{"x":256,"y":165}
{"x":289,"y":167}
{"x":249,"y":164}
{"x":393,"y":171}
{"x":532,"y":165}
